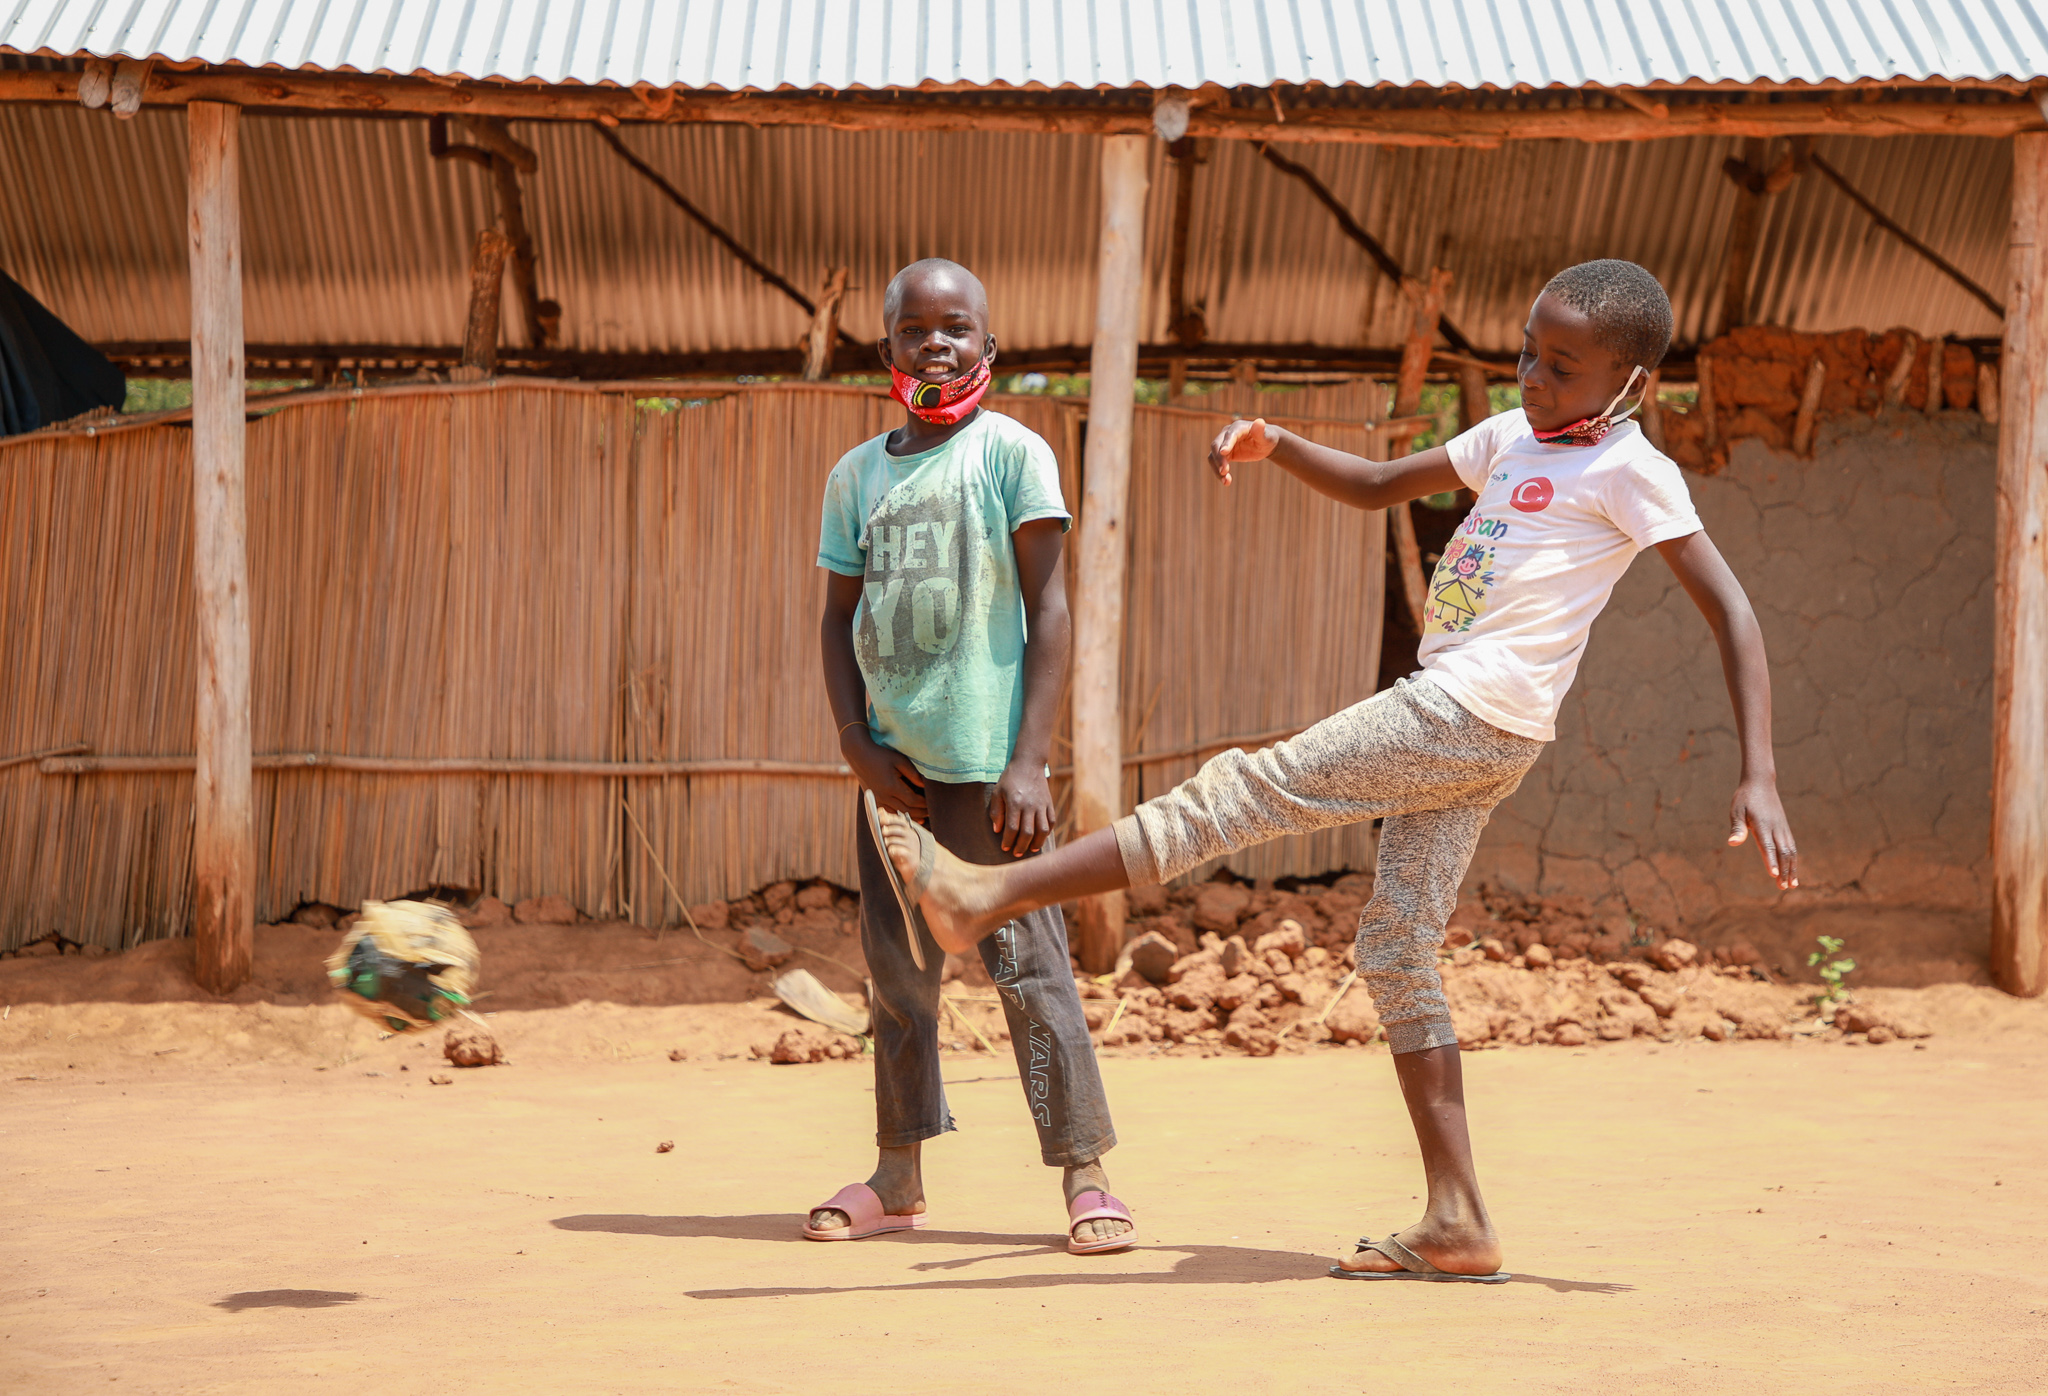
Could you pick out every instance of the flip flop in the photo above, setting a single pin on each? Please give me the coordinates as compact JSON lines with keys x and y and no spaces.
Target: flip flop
{"x":1413,"y":1267}
{"x":906,"y":898}
{"x":1094,"y":1205}
{"x":865,"y":1216}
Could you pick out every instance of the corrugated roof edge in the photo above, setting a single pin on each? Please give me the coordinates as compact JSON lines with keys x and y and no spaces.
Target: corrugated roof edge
{"x":76,"y":59}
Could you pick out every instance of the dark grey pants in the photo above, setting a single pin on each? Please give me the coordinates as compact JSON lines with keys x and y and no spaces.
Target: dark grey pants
{"x":1028,"y":961}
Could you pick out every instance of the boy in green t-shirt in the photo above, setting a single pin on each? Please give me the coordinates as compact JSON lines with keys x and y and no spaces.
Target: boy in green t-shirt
{"x":945,"y":637}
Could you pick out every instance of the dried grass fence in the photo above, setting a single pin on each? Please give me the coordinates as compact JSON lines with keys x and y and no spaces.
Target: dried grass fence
{"x":489,"y":619}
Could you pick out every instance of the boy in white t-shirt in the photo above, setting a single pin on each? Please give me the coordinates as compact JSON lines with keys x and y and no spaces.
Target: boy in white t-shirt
{"x":1568,"y":493}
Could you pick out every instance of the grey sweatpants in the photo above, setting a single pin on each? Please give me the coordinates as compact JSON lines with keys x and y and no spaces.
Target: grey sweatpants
{"x":1409,"y":755}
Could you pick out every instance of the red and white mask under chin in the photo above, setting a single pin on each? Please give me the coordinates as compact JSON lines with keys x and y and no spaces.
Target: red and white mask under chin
{"x":943,"y":404}
{"x":1589,"y":431}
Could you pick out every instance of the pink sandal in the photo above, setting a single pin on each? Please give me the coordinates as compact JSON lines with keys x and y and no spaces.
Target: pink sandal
{"x":1097,"y":1205}
{"x":864,"y":1213}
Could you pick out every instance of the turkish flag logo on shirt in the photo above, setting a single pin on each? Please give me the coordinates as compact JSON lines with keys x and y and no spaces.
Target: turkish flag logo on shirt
{"x":1533,"y":495}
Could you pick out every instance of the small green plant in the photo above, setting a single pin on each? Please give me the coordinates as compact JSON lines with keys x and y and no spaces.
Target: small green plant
{"x":1833,"y":967}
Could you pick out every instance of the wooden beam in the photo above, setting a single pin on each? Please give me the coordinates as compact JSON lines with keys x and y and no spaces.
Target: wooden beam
{"x":444,"y":766}
{"x":490,"y":133}
{"x":2019,"y":750}
{"x":162,"y":358}
{"x":223,"y":836}
{"x":486,"y":281}
{"x":1105,"y":543}
{"x":1886,"y":222}
{"x":1412,"y":126}
{"x":705,"y":221}
{"x":1354,"y":230}
{"x":73,"y":761}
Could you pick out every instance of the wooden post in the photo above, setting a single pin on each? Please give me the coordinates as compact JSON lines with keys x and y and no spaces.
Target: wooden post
{"x":2019,"y":750}
{"x":1902,"y":372}
{"x":824,"y":334}
{"x":1099,"y":598}
{"x":1474,"y":406}
{"x":1710,"y":424}
{"x":486,"y":282}
{"x":223,"y":839}
{"x":525,"y":281}
{"x":1742,"y":235}
{"x":1807,"y":422}
{"x":1187,"y":325}
{"x":1426,"y":305}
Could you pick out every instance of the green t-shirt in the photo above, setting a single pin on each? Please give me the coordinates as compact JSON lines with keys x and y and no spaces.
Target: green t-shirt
{"x":940,"y":629}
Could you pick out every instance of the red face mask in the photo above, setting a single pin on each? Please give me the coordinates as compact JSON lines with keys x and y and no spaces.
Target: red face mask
{"x":1590,"y":431}
{"x":943,"y":404}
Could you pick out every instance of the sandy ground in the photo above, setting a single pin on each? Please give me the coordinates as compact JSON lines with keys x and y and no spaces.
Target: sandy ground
{"x":288,"y":1210}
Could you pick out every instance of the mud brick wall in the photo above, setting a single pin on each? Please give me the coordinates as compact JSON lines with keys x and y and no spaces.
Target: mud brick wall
{"x":1870,"y":567}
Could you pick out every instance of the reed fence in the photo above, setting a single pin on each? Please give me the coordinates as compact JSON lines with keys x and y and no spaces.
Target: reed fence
{"x":501,"y":631}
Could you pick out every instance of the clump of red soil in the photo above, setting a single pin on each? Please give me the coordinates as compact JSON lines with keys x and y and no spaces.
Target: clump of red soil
{"x":1262,"y":970}
{"x":1759,"y":376}
{"x":469,"y":1045}
{"x":802,"y":1045}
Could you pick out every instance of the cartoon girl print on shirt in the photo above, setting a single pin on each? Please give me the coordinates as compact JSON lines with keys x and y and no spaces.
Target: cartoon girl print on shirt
{"x":1464,"y":574}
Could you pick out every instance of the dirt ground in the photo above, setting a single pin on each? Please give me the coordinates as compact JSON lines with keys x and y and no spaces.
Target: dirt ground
{"x":263,"y":1196}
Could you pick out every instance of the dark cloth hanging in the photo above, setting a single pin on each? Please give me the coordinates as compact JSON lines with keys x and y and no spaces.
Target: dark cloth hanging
{"x":47,"y":373}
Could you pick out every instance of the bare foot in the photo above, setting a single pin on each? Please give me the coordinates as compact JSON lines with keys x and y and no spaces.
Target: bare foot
{"x":897,"y":1180}
{"x":960,"y":905}
{"x":1460,"y":1251}
{"x":1091,"y":1177}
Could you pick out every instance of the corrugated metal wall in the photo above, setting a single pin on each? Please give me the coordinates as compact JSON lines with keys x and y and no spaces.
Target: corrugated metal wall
{"x":356,"y":235}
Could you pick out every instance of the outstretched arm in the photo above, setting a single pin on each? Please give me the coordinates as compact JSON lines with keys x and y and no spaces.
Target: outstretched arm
{"x":1021,"y":809}
{"x":1704,"y":574}
{"x":884,"y":770}
{"x":1348,"y":479}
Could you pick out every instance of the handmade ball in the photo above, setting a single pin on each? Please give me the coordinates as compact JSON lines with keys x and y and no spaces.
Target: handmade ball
{"x":406,"y":966}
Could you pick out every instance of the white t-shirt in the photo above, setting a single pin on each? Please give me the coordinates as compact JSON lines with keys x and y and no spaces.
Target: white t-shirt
{"x":1521,"y":581}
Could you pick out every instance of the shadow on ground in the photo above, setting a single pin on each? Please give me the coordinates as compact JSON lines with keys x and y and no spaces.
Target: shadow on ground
{"x":286,"y":1299}
{"x":1200,"y":1265}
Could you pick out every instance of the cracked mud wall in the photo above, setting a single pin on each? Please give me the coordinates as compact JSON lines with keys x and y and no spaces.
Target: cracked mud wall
{"x":1870,"y":568}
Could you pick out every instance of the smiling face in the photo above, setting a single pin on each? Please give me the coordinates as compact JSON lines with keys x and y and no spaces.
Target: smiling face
{"x":939,"y":326}
{"x":1566,"y":375}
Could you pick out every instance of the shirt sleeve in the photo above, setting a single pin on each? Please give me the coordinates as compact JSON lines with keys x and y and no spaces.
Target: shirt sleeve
{"x":1472,"y":452}
{"x":1646,"y":498}
{"x":839,"y":530}
{"x":1031,"y":483}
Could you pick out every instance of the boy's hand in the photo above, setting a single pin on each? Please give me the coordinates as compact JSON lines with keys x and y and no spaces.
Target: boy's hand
{"x":888,"y":772}
{"x":1757,"y":807}
{"x":1020,"y":810}
{"x":1241,"y":441}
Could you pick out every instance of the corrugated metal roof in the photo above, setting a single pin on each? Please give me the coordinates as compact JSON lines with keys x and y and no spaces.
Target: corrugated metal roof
{"x":354,"y":234}
{"x":873,"y":44}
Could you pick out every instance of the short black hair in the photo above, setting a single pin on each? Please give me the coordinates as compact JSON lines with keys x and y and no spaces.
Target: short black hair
{"x":1631,"y":315}
{"x":892,"y":299}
